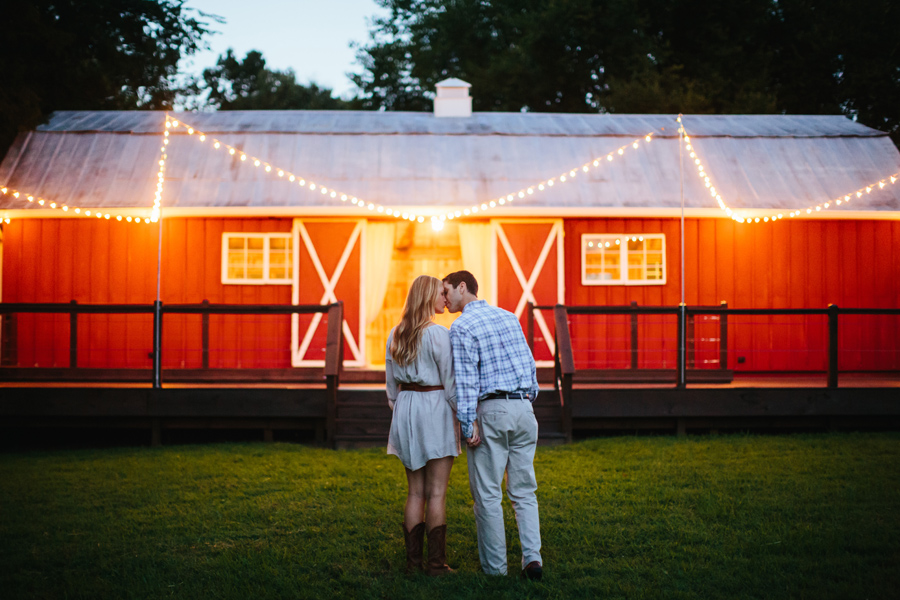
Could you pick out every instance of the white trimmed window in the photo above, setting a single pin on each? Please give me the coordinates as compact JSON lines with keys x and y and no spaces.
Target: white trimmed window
{"x":257,"y":258}
{"x":623,"y":259}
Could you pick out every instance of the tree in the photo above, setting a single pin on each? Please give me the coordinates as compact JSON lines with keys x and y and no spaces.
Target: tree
{"x":248,"y":85}
{"x":102,"y":54}
{"x":692,"y":56}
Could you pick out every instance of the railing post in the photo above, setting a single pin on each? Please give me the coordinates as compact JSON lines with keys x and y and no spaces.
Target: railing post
{"x":723,"y":338}
{"x":204,"y":335}
{"x":566,"y":367}
{"x":634,"y":337}
{"x":689,"y":337}
{"x":334,"y":360}
{"x":8,"y":347}
{"x":832,"y":346}
{"x":681,"y":377}
{"x":530,"y":326}
{"x":157,"y":344}
{"x":73,"y":335}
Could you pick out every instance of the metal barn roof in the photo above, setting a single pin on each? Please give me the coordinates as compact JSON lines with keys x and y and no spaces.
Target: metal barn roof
{"x":784,"y":162}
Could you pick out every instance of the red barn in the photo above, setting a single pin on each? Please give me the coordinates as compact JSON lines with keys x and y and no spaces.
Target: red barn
{"x":282,"y":207}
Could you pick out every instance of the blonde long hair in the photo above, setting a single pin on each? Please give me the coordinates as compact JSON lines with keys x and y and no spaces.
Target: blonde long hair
{"x":417,"y":315}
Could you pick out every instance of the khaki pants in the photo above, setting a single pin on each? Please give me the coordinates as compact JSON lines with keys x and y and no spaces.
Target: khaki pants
{"x":509,"y":437}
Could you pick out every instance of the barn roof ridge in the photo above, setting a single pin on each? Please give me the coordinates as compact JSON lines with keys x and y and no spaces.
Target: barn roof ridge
{"x":480,"y":124}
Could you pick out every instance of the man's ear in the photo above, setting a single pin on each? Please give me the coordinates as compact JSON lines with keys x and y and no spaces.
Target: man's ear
{"x":463,"y":288}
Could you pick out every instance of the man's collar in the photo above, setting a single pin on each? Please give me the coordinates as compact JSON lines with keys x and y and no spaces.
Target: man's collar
{"x":475,"y":303}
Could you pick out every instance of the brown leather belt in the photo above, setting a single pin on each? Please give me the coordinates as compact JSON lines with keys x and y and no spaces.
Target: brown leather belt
{"x":415,"y":387}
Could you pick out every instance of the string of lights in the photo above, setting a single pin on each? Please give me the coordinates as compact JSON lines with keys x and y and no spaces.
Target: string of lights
{"x":160,"y":179}
{"x":399,"y":213}
{"x":100,"y":214}
{"x":741,"y":217}
{"x":76,"y":210}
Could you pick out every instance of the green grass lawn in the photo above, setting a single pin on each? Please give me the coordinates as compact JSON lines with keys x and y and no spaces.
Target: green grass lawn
{"x":804,"y":516}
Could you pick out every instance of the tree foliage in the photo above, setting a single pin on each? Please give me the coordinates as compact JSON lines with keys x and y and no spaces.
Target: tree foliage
{"x":247,"y":84}
{"x":647,"y":56}
{"x":101,"y":54}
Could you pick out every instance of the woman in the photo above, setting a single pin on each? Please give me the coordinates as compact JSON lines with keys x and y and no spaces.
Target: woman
{"x":424,"y":435}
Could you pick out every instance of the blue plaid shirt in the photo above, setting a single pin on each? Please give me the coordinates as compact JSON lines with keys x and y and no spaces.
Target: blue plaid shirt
{"x":490,"y":355}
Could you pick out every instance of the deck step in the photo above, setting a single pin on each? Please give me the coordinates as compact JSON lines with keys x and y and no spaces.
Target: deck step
{"x":364,"y":418}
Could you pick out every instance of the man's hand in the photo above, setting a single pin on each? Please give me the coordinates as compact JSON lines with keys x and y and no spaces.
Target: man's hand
{"x":473,"y":441}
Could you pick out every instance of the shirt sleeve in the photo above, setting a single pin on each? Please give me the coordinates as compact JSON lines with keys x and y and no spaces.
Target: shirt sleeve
{"x":465,"y":361}
{"x":391,"y":386}
{"x":535,"y":388}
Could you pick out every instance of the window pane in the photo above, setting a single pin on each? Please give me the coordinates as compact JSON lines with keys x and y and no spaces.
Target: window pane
{"x":236,"y":259}
{"x":255,"y":243}
{"x":655,"y":244}
{"x":277,"y":243}
{"x":277,"y":258}
{"x":602,"y":260}
{"x":254,"y":265}
{"x":236,"y":272}
{"x":276,"y":273}
{"x":236,"y":243}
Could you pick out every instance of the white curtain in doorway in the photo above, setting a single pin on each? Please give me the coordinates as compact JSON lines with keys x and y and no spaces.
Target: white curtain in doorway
{"x":475,"y":244}
{"x":379,"y":252}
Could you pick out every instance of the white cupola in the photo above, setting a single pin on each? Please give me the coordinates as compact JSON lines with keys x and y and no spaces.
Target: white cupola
{"x":453,"y":98}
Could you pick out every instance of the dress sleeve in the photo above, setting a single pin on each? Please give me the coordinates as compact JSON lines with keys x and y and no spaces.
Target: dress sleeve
{"x":391,"y":386}
{"x":443,"y":358}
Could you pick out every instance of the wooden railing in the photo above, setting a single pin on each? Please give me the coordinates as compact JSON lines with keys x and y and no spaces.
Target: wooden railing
{"x":158,"y":312}
{"x":634,"y":311}
{"x":564,"y":359}
{"x":334,"y":350}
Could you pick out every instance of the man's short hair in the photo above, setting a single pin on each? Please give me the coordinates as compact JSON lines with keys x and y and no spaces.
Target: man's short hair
{"x":454,"y":279}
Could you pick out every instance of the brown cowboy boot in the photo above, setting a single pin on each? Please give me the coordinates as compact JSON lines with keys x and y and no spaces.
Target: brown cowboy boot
{"x":415,"y":542}
{"x":437,"y":552}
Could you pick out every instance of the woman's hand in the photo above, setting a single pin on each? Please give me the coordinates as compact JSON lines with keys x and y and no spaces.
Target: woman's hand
{"x":473,"y":441}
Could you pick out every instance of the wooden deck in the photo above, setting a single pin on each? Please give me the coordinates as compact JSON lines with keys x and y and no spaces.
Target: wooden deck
{"x":749,"y":402}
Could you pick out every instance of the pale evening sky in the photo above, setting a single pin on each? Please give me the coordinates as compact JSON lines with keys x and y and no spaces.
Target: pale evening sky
{"x":312,"y":37}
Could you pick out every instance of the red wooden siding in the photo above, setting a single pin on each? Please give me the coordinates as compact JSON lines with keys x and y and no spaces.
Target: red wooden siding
{"x":788,"y":264}
{"x":102,"y":262}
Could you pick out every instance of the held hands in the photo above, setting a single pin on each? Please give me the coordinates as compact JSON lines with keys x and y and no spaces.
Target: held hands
{"x":473,"y":441}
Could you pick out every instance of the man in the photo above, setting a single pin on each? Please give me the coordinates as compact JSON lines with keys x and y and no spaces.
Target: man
{"x":496,"y":382}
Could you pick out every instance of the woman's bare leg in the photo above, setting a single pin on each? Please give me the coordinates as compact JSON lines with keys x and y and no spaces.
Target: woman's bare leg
{"x":436,"y":480}
{"x":414,"y":512}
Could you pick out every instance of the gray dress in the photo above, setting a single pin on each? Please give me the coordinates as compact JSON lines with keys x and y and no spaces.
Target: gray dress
{"x":424,"y":425}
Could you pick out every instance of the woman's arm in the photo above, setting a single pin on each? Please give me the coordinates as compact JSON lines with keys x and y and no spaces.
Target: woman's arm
{"x":443,"y":358}
{"x":391,"y":386}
